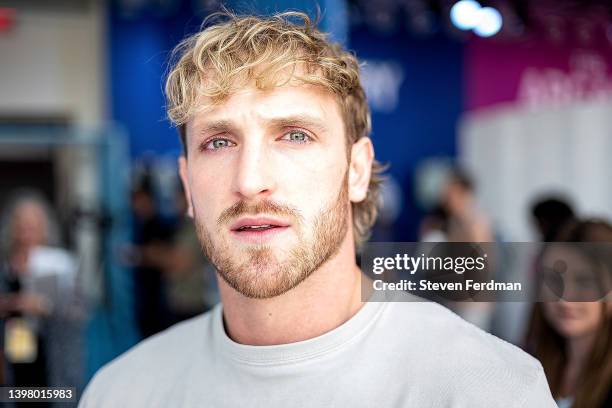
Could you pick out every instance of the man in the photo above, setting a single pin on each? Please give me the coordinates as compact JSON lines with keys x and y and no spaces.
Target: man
{"x":282,"y":184}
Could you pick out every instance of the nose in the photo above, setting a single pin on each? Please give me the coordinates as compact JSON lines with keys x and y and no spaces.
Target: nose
{"x":254,"y":176}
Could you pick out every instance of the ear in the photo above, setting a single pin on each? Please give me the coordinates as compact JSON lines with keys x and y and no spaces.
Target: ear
{"x":360,"y":169}
{"x":182,"y":165}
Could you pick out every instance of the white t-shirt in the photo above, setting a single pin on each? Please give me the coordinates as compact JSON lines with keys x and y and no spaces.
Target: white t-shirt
{"x":402,"y":354}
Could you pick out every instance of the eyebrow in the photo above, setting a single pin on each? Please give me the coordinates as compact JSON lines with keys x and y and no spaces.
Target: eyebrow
{"x":306,"y":121}
{"x":217,"y":126}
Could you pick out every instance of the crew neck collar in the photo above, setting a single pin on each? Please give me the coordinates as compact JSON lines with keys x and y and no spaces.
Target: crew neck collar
{"x":298,"y":351}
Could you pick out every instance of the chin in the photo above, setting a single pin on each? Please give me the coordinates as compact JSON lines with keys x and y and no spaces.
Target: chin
{"x":571,"y":329}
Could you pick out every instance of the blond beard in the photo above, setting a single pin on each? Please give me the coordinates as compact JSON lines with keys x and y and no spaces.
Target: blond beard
{"x":261,"y":275}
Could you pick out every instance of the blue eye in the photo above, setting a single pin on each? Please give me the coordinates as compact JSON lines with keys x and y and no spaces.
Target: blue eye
{"x":296,"y":136}
{"x":217,"y":144}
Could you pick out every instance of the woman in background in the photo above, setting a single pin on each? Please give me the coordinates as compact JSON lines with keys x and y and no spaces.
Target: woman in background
{"x":572,"y":336}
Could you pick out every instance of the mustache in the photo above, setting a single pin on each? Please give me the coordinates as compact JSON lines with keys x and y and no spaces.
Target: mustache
{"x":261,"y":207}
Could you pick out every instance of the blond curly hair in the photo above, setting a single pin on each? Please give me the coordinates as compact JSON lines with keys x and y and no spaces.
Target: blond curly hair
{"x":242,"y":50}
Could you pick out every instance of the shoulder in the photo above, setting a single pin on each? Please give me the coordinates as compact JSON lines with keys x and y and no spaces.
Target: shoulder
{"x":152,"y":362}
{"x":163,"y":347}
{"x":467,"y":359}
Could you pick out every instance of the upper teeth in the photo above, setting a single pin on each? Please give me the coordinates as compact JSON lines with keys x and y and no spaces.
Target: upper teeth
{"x":256,"y":226}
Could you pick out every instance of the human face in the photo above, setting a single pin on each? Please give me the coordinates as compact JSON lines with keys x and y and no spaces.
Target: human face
{"x":29,"y":225}
{"x":454,"y":198}
{"x":267,"y":181}
{"x":568,"y":271}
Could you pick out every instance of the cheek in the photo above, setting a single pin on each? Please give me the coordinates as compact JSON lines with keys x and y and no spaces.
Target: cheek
{"x":592,"y":316}
{"x":320,"y":158}
{"x":207,"y":192}
{"x":309,"y":160}
{"x":312,"y":184}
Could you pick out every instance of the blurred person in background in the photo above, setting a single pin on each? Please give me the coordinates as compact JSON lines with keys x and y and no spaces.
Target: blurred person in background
{"x":466,"y":222}
{"x":173,"y":280}
{"x":573,"y":339}
{"x":39,"y":304}
{"x":434,"y":226}
{"x":550,"y":215}
{"x":149,"y":256}
{"x":190,"y":279}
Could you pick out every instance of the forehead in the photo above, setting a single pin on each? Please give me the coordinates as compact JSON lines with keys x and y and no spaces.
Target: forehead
{"x":29,"y":209}
{"x":250,"y":105}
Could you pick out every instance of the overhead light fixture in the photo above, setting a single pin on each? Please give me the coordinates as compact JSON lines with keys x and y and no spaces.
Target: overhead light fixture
{"x":470,"y":15}
{"x":465,"y":14}
{"x":490,"y":22}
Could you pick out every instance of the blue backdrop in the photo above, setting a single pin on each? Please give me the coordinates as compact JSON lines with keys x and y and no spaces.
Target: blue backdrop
{"x":422,"y":124}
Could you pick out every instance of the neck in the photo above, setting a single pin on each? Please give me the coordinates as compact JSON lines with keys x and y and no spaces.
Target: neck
{"x":578,"y":349}
{"x":330,"y":296}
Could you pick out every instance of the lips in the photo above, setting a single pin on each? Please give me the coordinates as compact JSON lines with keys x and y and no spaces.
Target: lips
{"x":256,"y":227}
{"x":255,"y":230}
{"x":257,"y":224}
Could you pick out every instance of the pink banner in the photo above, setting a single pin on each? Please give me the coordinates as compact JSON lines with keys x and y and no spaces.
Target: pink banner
{"x":540,"y":70}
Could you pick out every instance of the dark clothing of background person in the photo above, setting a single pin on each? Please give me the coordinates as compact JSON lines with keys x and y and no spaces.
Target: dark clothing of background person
{"x":151,"y":308}
{"x":32,"y":374}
